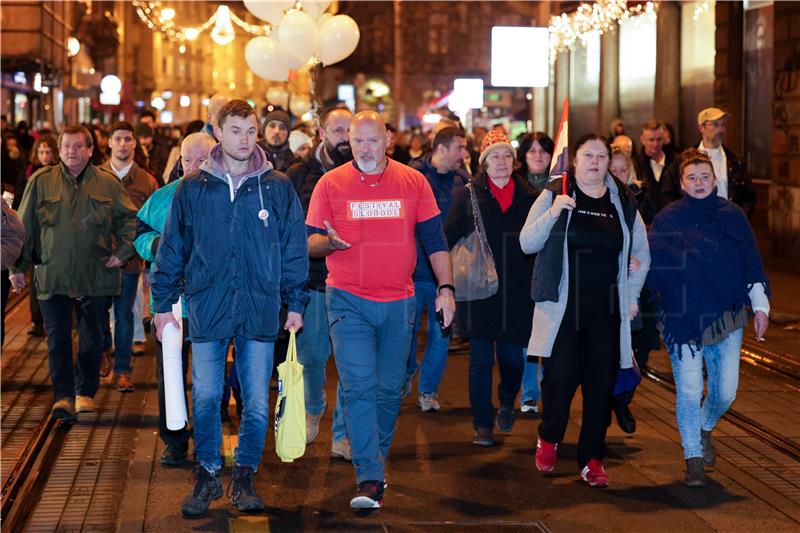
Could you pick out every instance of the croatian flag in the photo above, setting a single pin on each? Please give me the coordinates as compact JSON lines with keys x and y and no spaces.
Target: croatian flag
{"x":560,"y":161}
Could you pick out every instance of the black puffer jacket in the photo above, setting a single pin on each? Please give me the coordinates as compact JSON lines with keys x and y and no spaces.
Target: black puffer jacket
{"x":507,"y":315}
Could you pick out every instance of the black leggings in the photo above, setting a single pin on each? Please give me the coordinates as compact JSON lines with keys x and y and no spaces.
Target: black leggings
{"x":585,"y":353}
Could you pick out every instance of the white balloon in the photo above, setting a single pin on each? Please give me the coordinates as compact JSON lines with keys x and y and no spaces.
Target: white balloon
{"x":294,"y":64}
{"x":338,"y":38}
{"x":300,"y":105}
{"x":315,"y":9}
{"x":267,"y":59}
{"x":325,"y":17}
{"x":299,"y":35}
{"x":269,"y":11}
{"x":278,"y":96}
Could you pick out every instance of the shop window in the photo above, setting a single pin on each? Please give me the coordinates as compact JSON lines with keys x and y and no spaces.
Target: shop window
{"x":698,"y":29}
{"x":637,"y":70}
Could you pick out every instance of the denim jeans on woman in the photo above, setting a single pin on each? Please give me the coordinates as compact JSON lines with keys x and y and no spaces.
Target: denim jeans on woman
{"x":531,"y":376}
{"x":370,"y":345}
{"x":313,"y":349}
{"x":722,"y":365}
{"x":481,"y":361}
{"x":254,"y":368}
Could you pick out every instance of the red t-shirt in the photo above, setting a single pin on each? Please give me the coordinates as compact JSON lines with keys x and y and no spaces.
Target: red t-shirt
{"x":378,"y":222}
{"x":505,"y":195}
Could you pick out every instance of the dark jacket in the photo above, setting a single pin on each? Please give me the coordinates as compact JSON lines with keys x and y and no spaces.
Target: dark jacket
{"x":444,"y":187}
{"x":281,"y":158}
{"x":651,"y":189}
{"x":304,"y":175}
{"x":740,"y":185}
{"x":139,"y":185}
{"x":507,"y":315}
{"x":72,"y":227}
{"x":234,"y":269}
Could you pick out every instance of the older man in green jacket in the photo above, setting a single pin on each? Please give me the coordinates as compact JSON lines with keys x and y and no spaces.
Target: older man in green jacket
{"x":79,"y":230}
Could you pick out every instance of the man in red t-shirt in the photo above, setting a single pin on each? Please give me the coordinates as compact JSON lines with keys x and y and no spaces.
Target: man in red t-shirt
{"x":364,"y":217}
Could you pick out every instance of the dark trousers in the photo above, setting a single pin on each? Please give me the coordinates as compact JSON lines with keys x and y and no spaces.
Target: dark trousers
{"x":180,"y":436}
{"x":33,"y":301}
{"x":585,"y":353}
{"x":84,"y":379}
{"x":481,"y":360}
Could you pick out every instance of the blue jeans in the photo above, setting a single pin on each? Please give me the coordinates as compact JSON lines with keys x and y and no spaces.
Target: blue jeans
{"x":435,"y":357}
{"x":313,"y":349}
{"x":481,"y":361}
{"x":254,"y":367}
{"x":722,"y":365}
{"x":531,"y":375}
{"x":123,"y":322}
{"x":370,"y":345}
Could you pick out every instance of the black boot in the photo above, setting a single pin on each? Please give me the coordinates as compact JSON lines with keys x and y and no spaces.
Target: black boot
{"x":695,"y":476}
{"x":207,"y":487}
{"x":243,"y":494}
{"x":174,"y":454}
{"x":625,"y":419}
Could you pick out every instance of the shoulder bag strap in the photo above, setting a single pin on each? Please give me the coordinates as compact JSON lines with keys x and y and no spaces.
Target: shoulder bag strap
{"x":478,"y":221}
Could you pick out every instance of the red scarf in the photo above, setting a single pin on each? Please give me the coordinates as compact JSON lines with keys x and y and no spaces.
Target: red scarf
{"x":505,"y":195}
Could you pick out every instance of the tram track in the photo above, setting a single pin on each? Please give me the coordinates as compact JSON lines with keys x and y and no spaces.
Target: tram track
{"x":743,"y":422}
{"x":776,"y":362}
{"x":27,"y":480}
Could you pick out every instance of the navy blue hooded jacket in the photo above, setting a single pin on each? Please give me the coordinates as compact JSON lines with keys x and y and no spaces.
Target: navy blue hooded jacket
{"x":444,"y":187}
{"x":234,"y":268}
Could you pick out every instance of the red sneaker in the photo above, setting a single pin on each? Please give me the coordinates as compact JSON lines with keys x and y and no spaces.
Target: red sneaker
{"x":546,"y":454}
{"x":594,"y":474}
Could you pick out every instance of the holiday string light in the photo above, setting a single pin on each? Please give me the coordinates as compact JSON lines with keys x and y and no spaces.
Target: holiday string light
{"x":162,"y":19}
{"x":699,"y":10}
{"x":604,"y":15}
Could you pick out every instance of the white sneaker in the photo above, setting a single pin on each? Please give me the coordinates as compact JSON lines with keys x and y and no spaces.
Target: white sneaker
{"x":530,"y":406}
{"x":428,"y":401}
{"x":312,"y":426}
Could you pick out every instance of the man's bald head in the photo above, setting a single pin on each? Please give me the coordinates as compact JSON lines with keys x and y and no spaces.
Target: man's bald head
{"x":215,"y":104}
{"x":368,"y":141}
{"x":624,"y":143}
{"x":194,"y":151}
{"x":369,"y":117}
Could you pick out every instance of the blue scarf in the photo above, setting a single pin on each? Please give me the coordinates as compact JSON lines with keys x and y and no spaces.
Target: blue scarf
{"x":704,"y":261}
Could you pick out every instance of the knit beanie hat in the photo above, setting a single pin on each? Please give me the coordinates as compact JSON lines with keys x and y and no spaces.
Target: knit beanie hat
{"x":280,"y":116}
{"x":495,"y":140}
{"x":297,"y":139}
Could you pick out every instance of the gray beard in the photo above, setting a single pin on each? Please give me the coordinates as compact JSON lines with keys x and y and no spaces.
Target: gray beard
{"x":368,"y":166}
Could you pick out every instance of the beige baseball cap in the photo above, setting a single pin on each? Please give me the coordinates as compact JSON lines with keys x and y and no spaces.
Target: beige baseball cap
{"x":711,"y":113}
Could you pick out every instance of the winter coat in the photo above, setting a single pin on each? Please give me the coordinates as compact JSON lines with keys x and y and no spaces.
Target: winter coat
{"x":506,"y":315}
{"x":72,"y":228}
{"x":139,"y":185}
{"x":444,"y":188}
{"x":537,"y":237}
{"x":234,"y":268}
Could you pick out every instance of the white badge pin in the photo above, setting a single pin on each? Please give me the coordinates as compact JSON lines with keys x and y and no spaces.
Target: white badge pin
{"x":263,"y":214}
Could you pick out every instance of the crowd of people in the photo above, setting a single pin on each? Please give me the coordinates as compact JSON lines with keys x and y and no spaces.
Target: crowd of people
{"x":342,"y":233}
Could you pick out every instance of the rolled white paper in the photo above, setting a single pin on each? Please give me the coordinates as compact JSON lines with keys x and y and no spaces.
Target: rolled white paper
{"x":172,"y":345}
